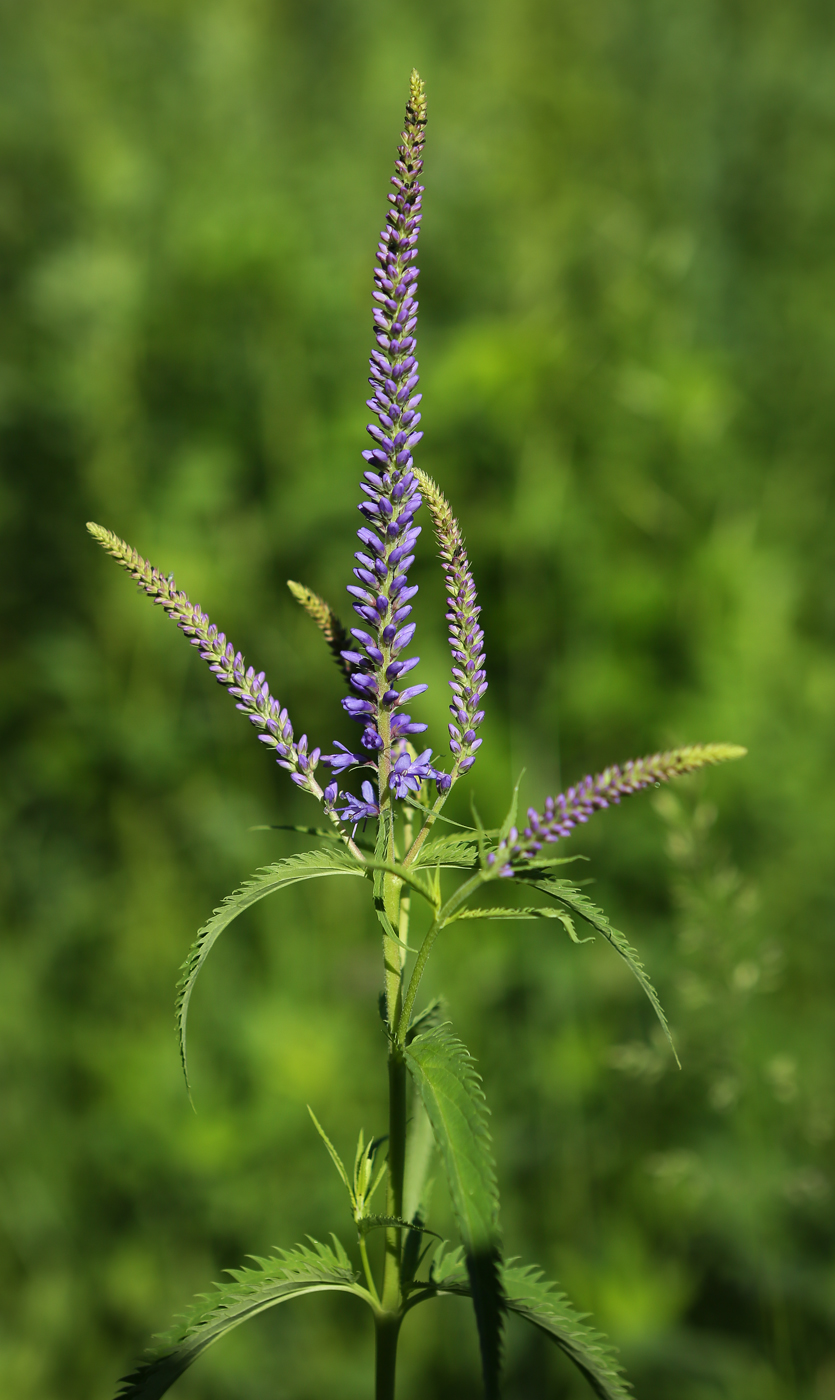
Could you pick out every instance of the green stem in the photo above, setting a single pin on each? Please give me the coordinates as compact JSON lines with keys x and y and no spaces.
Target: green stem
{"x":411,"y":851}
{"x":391,"y":1299}
{"x":394,"y":920}
{"x":388,"y":1328}
{"x":366,"y":1268}
{"x":390,"y":1315}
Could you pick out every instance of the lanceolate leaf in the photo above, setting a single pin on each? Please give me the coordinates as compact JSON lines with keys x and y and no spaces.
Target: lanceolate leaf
{"x":507,"y":912}
{"x":322,"y":831}
{"x":382,"y":1222}
{"x":578,"y":903}
{"x":287,"y":1274}
{"x":450,"y":1089}
{"x":333,"y":1154}
{"x":531,"y":1296}
{"x":308,"y":866}
{"x":451,"y":852}
{"x":426,"y":1020}
{"x":510,"y":819}
{"x":534,"y":1298}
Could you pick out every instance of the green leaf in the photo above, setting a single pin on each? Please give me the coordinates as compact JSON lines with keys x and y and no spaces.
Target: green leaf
{"x":523,"y":913}
{"x":427,"y":1019}
{"x":308,"y":866}
{"x":450,"y":852}
{"x":578,"y":903}
{"x":510,"y":819}
{"x":404,"y":873}
{"x":544,"y":861}
{"x":287,"y":1274}
{"x":532,"y":1297}
{"x":382,"y":1222}
{"x":436,"y":815}
{"x":327,"y":835}
{"x":451,"y":1092}
{"x":334,"y":1156}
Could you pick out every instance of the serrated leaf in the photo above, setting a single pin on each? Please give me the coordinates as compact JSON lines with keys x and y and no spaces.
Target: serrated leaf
{"x":327,"y":835}
{"x":382,"y":1222}
{"x":427,"y":1019}
{"x":287,"y":1274}
{"x":531,"y":1296}
{"x":541,"y":1303}
{"x":448,"y":1265}
{"x":578,"y":903}
{"x":510,"y":819}
{"x":438,"y":816}
{"x":544,"y":861}
{"x":449,"y":852}
{"x":450,"y":1089}
{"x":334,"y":1156}
{"x":308,"y":866}
{"x":506,"y":912}
{"x":406,"y":875}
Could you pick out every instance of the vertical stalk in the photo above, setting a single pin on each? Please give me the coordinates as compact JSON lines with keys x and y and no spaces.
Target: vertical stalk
{"x":387,"y":890}
{"x":387,"y":1332}
{"x":390,"y":1315}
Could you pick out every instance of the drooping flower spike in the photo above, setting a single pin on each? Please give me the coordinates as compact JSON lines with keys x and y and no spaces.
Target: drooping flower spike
{"x":382,"y":595}
{"x":466,"y":637}
{"x":572,"y":808}
{"x":249,"y":689}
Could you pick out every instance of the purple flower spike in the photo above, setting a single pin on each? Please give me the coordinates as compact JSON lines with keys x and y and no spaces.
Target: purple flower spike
{"x":466,"y":638}
{"x":249,"y":688}
{"x":572,"y":808}
{"x":382,"y":597}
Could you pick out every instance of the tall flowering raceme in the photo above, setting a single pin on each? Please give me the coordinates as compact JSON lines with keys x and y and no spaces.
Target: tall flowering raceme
{"x":431,"y":1074}
{"x":382,"y":594}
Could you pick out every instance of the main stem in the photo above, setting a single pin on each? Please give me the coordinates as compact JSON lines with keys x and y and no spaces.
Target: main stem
{"x":390,"y":1315}
{"x":388,"y":890}
{"x":388,"y":1329}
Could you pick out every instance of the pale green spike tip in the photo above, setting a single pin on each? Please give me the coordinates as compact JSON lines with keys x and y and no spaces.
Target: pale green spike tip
{"x":710,"y":753}
{"x":416,"y":108}
{"x":728,"y":751}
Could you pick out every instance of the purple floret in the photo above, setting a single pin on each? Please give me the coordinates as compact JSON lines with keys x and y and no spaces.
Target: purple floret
{"x":407,"y":774}
{"x":357,"y":809}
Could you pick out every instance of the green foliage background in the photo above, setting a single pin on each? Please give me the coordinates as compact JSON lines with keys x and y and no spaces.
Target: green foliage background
{"x":628,"y":301}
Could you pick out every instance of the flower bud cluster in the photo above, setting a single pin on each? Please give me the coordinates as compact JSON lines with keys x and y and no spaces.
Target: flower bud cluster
{"x":572,"y":808}
{"x":248,"y":687}
{"x":326,"y":620}
{"x":466,"y":637}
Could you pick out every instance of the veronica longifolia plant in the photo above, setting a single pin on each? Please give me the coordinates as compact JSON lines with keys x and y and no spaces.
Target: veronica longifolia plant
{"x":433,"y":1084}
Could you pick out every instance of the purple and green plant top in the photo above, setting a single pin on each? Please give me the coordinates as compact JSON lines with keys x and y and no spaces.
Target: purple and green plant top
{"x":402,"y":790}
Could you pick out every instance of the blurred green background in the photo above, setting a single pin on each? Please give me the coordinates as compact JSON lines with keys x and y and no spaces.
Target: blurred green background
{"x":627,"y":348}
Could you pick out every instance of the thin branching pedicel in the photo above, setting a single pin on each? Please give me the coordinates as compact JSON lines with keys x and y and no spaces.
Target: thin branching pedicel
{"x":432,"y":1077}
